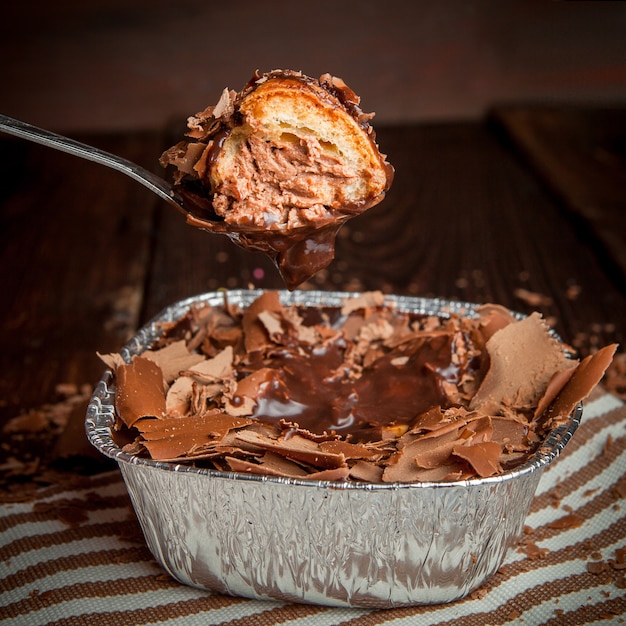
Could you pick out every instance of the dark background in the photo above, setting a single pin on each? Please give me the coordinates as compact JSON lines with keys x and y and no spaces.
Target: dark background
{"x":117,"y":64}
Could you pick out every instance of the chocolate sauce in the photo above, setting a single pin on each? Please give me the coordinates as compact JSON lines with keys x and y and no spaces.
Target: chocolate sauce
{"x":298,"y":253}
{"x":310,"y":389}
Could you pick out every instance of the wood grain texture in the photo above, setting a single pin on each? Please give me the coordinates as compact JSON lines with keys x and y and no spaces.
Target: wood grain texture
{"x":75,"y":248}
{"x":112,"y":64}
{"x":580,"y":155}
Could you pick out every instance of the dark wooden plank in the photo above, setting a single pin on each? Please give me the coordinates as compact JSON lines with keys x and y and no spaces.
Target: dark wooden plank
{"x":580,"y":154}
{"x":75,"y":245}
{"x":463,"y":220}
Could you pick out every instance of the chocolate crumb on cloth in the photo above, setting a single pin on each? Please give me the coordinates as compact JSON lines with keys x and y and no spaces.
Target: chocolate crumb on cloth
{"x":365,"y":392}
{"x":280,"y":166}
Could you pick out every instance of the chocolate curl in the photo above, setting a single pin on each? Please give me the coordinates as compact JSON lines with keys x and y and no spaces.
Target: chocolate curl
{"x":587,"y":375}
{"x":296,"y":448}
{"x":176,"y":438}
{"x":140,"y":391}
{"x":483,"y":457}
{"x":173,"y":359}
{"x":523,"y":358}
{"x":274,"y":465}
{"x":494,"y":317}
{"x":255,"y":332}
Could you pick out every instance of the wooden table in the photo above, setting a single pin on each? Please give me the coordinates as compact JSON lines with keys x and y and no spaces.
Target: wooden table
{"x":526,"y":208}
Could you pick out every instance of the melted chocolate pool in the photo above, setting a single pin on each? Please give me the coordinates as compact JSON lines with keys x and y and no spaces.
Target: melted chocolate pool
{"x":313,"y":388}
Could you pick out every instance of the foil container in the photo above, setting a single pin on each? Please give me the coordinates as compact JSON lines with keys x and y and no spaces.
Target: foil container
{"x":321,"y":542}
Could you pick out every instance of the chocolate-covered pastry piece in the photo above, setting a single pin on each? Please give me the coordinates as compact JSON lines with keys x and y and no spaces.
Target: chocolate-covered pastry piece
{"x":280,"y":166}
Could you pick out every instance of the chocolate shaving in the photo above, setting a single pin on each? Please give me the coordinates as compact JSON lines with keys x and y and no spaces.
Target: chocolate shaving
{"x":296,"y":447}
{"x":140,"y":391}
{"x":172,"y":438}
{"x":587,"y":375}
{"x":173,"y":359}
{"x":523,"y":359}
{"x":483,"y":457}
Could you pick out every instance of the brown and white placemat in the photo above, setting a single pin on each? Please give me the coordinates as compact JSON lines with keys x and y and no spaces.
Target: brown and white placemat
{"x":75,"y":555}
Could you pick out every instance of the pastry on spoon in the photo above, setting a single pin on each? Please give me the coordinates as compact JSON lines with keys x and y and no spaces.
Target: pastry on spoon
{"x":280,"y":166}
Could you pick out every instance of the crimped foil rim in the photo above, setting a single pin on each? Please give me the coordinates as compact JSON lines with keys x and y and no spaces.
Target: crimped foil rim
{"x":101,"y":411}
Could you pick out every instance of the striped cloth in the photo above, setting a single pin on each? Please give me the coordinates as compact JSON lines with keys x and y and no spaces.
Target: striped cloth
{"x":75,"y":555}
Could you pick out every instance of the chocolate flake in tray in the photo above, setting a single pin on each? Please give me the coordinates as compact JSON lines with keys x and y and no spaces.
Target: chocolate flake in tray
{"x":365,"y":392}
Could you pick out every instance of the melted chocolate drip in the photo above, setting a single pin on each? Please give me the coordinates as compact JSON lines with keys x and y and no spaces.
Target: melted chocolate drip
{"x":298,"y":253}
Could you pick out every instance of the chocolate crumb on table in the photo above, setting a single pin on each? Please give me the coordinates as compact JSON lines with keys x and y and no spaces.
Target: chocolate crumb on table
{"x":47,"y":446}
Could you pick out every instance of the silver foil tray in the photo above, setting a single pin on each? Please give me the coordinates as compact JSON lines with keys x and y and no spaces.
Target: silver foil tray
{"x":329,"y":543}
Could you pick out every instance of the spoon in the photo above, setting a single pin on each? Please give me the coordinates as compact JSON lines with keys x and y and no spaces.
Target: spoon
{"x":158,"y":185}
{"x":297,"y":252}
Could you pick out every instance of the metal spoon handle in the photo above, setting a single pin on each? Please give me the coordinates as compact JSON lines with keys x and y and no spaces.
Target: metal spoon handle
{"x":153,"y":182}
